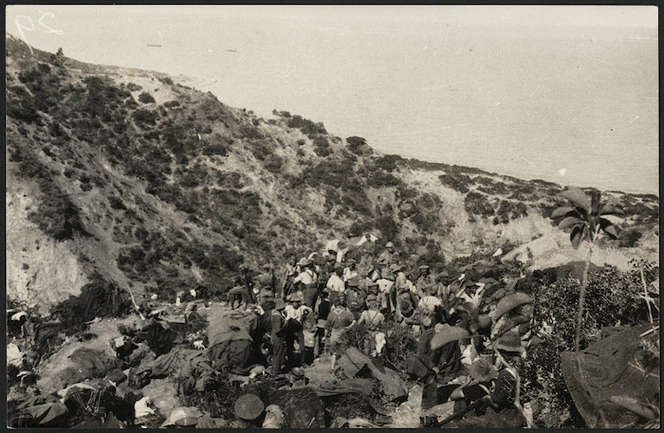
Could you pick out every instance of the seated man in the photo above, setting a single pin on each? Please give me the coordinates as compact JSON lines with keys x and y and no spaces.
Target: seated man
{"x":495,"y":398}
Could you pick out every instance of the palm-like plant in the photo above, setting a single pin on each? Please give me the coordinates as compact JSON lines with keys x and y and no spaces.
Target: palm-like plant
{"x":586,"y":218}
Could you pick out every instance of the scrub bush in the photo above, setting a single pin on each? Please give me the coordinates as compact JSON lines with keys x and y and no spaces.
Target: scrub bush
{"x":457,"y":182}
{"x":145,"y":117}
{"x":146,"y":98}
{"x":615,"y":301}
{"x":219,"y":397}
{"x":358,"y":146}
{"x":477,"y":204}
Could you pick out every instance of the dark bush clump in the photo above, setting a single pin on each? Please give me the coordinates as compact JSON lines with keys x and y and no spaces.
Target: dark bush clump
{"x":251,"y":132}
{"x":629,"y":238}
{"x":144,"y":116}
{"x":274,"y":163}
{"x":23,"y":110}
{"x":166,"y":80}
{"x":116,"y":203}
{"x":507,"y":209}
{"x":146,"y":98}
{"x":322,"y":147}
{"x":134,"y":87}
{"x":358,"y":146}
{"x":97,"y":299}
{"x":285,"y":114}
{"x":219,"y":397}
{"x":308,"y":127}
{"x":380,"y":179}
{"x":215,"y":149}
{"x":615,"y":296}
{"x":456,"y":182}
{"x":29,"y":76}
{"x":477,"y":204}
{"x":57,"y":216}
{"x":388,"y":162}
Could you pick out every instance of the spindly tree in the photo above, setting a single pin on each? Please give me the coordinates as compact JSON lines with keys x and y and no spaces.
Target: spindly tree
{"x":586,"y":218}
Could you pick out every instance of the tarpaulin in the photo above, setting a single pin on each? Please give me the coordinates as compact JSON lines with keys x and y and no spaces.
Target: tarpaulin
{"x":391,"y":384}
{"x":224,"y":325}
{"x":331,"y":387}
{"x":41,"y":411}
{"x":93,"y":363}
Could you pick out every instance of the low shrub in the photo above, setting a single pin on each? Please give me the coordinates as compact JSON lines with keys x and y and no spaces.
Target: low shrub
{"x":146,"y":98}
{"x":456,"y":182}
{"x":508,"y":209}
{"x":308,"y":127}
{"x":322,"y":147}
{"x":388,"y":163}
{"x":219,"y":397}
{"x":23,"y":110}
{"x":274,"y":163}
{"x":145,"y":117}
{"x":615,"y":300}
{"x":477,"y":203}
{"x":134,"y":87}
{"x":380,"y":179}
{"x":629,"y":238}
{"x":116,"y":203}
{"x":215,"y":149}
{"x":166,"y":80}
{"x":29,"y":76}
{"x":56,"y":215}
{"x":251,"y":132}
{"x":100,"y":298}
{"x":358,"y":146}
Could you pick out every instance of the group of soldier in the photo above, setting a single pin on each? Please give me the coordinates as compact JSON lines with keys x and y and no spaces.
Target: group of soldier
{"x":331,"y":292}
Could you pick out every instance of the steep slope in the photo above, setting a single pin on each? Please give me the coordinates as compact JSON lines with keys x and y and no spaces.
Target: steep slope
{"x":159,"y":187}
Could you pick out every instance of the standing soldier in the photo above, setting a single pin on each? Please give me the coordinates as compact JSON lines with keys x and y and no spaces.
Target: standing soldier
{"x":296,"y":314}
{"x":374,"y":320}
{"x":266,"y":283}
{"x":339,"y":319}
{"x":385,"y":289}
{"x":355,"y":298}
{"x":306,"y":282}
{"x":350,"y":271}
{"x":277,"y":321}
{"x":243,"y":289}
{"x":335,"y":284}
{"x":321,"y":312}
{"x":386,"y":258}
{"x":425,"y":283}
{"x":400,"y":285}
{"x":290,"y":274}
{"x":328,"y":267}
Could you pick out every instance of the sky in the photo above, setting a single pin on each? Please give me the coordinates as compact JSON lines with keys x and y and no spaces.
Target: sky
{"x":567,"y":94}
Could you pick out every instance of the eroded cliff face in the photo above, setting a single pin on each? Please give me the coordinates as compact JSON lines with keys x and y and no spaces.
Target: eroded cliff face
{"x":40,"y":270}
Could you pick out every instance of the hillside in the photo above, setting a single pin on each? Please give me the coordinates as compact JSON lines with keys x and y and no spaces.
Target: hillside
{"x":158,"y":187}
